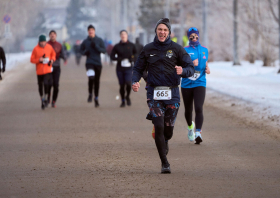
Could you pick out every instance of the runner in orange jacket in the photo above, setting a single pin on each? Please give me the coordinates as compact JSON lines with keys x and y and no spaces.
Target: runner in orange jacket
{"x":43,"y":55}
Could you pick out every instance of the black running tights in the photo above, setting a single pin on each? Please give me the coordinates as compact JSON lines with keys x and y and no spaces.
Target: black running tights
{"x":194,"y":95}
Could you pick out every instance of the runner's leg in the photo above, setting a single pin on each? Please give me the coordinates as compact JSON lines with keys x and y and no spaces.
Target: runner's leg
{"x":90,"y":84}
{"x":40,"y":79}
{"x":121,"y":78}
{"x":157,"y":110}
{"x":187,"y":94}
{"x":97,"y":70}
{"x":169,"y":120}
{"x":128,"y":76}
{"x":199,"y":97}
{"x":47,"y":83}
{"x":56,"y":76}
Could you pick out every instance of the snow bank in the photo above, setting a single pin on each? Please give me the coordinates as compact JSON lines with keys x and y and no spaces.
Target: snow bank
{"x":250,"y":82}
{"x":13,"y":59}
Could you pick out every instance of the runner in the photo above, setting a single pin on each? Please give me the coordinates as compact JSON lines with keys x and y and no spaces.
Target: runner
{"x":43,"y":55}
{"x":3,"y":60}
{"x":109,"y":49}
{"x":77,"y":52}
{"x":56,"y":67}
{"x":194,"y":88}
{"x":124,"y":53}
{"x":162,"y":58}
{"x":92,"y":47}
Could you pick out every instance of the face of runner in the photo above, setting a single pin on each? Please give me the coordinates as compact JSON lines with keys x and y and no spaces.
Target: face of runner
{"x":91,"y":32}
{"x":193,"y":37}
{"x":53,"y":36}
{"x":42,"y":43}
{"x":162,"y":32}
{"x":124,"y":37}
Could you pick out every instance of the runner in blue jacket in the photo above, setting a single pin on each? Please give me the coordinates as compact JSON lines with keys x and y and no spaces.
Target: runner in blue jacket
{"x":194,"y":88}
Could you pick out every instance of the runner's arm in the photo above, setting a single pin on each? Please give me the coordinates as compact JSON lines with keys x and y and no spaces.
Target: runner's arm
{"x":100,"y":47}
{"x":53,"y":55}
{"x":186,"y":64}
{"x":63,"y":54}
{"x":34,"y":59}
{"x":113,"y":54}
{"x":83,"y":49}
{"x":139,"y":67}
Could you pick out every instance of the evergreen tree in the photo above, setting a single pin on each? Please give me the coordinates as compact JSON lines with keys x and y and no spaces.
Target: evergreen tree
{"x":151,"y":12}
{"x":75,"y":19}
{"x":39,"y":26}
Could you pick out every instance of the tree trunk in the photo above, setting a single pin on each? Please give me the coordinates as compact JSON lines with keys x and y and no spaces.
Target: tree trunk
{"x":235,"y":33}
{"x":279,"y":31}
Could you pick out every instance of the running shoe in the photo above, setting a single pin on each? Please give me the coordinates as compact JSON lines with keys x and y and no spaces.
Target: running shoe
{"x":153,"y":132}
{"x":123,"y":104}
{"x":89,"y":98}
{"x":165,"y":169}
{"x":53,"y":104}
{"x":191,"y":135}
{"x":96,"y":102}
{"x":198,"y":138}
{"x":128,"y":101}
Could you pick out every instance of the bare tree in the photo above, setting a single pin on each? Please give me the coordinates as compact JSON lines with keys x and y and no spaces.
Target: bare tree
{"x":235,"y":33}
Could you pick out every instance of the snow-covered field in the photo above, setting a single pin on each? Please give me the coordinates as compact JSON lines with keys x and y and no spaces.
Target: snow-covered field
{"x":250,"y":82}
{"x":14,"y":59}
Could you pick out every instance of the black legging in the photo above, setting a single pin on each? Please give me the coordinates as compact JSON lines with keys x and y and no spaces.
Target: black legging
{"x":95,"y":81}
{"x":124,"y":77}
{"x":44,"y":82}
{"x":162,"y":134}
{"x":55,"y":84}
{"x":197,"y":96}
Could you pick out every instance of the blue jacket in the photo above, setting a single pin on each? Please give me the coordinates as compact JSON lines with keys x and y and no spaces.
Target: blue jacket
{"x":160,"y":59}
{"x":92,"y":48}
{"x":201,"y":53}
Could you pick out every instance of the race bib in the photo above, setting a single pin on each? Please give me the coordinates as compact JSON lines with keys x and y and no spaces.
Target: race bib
{"x":46,"y":60}
{"x":90,"y":72}
{"x":162,"y":93}
{"x":125,"y":63}
{"x":195,"y":75}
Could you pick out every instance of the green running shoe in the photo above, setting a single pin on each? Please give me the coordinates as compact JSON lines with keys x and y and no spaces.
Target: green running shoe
{"x":191,"y":135}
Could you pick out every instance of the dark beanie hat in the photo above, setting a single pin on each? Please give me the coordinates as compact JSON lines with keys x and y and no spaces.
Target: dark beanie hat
{"x":52,"y":31}
{"x":123,"y":31}
{"x":164,"y":21}
{"x":90,"y":26}
{"x":42,"y":38}
{"x":192,"y":30}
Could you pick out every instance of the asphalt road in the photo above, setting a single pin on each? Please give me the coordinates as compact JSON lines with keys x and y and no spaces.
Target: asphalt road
{"x":77,"y":150}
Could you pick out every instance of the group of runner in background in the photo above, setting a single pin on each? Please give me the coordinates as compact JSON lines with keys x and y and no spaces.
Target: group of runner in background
{"x":164,"y":65}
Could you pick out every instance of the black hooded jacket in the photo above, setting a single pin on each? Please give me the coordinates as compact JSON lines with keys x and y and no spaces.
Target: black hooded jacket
{"x":160,"y":59}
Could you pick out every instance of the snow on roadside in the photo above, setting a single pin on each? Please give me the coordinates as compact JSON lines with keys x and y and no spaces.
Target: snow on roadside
{"x":250,"y":82}
{"x":13,"y":59}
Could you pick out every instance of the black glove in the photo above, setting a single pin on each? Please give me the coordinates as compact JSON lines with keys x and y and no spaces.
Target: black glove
{"x":3,"y":70}
{"x":49,"y":63}
{"x":43,"y":57}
